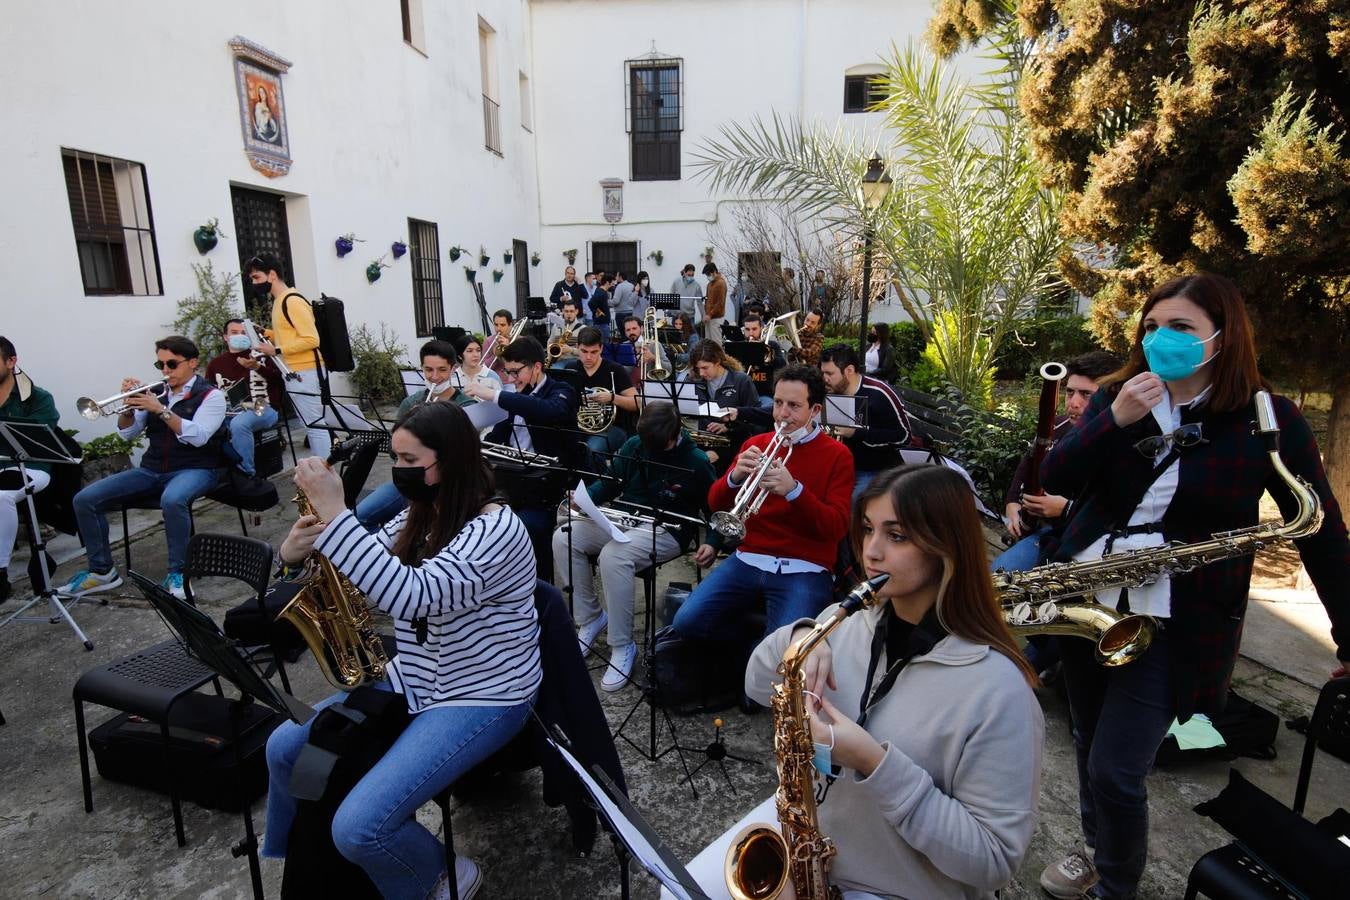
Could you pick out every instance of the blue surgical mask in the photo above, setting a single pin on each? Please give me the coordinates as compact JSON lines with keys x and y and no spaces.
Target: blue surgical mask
{"x":240,"y":342}
{"x":821,"y":759}
{"x":1174,"y":355}
{"x":689,"y":279}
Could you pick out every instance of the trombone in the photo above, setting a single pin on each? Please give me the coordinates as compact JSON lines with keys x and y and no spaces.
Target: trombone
{"x":750,"y":497}
{"x":492,"y":350}
{"x":93,"y":409}
{"x":650,"y":336}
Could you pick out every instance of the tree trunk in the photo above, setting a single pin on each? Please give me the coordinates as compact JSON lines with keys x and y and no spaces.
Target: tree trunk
{"x":1337,"y":449}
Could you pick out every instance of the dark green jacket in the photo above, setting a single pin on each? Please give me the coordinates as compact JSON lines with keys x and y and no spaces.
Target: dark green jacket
{"x":29,"y":403}
{"x":673,"y":490}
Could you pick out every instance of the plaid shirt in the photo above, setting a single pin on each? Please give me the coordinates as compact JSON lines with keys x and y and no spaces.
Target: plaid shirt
{"x":1220,"y":489}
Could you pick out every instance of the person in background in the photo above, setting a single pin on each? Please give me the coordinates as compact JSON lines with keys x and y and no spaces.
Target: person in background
{"x":812,"y":338}
{"x":599,"y":305}
{"x":725,"y":385}
{"x":570,"y":325}
{"x":762,"y":373}
{"x":502,"y":320}
{"x":690,"y":291}
{"x":715,"y":304}
{"x":880,"y":361}
{"x":569,"y":286}
{"x":236,"y":365}
{"x":688,"y":337}
{"x":875,"y":447}
{"x":823,"y":294}
{"x":471,"y":368}
{"x":624,"y":298}
{"x":642,"y":289}
{"x":606,"y":384}
{"x":20,"y":401}
{"x":295,"y":336}
{"x":791,"y":295}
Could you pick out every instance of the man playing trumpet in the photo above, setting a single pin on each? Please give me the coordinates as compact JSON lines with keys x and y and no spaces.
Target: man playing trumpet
{"x":790,"y":545}
{"x":182,"y":462}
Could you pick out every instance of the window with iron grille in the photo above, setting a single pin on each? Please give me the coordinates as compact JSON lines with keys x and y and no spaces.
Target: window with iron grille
{"x":655,"y":92}
{"x":863,"y":92}
{"x":114,"y":233}
{"x":424,"y":251}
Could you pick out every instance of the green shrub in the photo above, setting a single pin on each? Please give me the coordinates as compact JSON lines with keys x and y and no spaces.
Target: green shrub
{"x":376,"y":376}
{"x":925,"y":375}
{"x":1037,"y":342}
{"x":110,"y":445}
{"x":202,"y":316}
{"x":991,"y":445}
{"x":908,"y":341}
{"x":944,"y":332}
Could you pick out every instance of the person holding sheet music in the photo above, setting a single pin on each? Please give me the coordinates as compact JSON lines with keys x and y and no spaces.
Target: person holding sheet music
{"x":724,"y":384}
{"x":20,"y":401}
{"x":295,"y":336}
{"x":236,"y":366}
{"x":183,"y":461}
{"x":660,"y":468}
{"x":541,"y":418}
{"x":876,"y":446}
{"x":456,"y":574}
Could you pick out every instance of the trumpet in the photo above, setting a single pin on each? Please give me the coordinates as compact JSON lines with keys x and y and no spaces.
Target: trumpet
{"x":93,"y":409}
{"x":750,"y":497}
{"x":501,"y":453}
{"x":629,"y":518}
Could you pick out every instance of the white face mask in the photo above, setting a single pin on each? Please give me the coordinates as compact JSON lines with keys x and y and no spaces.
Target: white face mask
{"x":805,"y":431}
{"x":644,"y":282}
{"x":436,"y":390}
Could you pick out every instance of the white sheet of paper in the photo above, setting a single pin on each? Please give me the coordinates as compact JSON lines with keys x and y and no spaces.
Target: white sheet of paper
{"x":716,"y":412}
{"x":582,"y":498}
{"x":484,"y":414}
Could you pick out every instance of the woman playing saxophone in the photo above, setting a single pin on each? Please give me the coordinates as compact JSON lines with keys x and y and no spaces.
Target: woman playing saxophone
{"x":456,"y":573}
{"x":922,"y":704}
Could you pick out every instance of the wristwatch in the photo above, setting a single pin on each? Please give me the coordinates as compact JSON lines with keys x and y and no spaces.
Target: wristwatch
{"x":165,"y":414}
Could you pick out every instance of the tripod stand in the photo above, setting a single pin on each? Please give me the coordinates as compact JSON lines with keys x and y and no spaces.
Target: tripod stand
{"x":717,"y":752}
{"x":27,"y":442}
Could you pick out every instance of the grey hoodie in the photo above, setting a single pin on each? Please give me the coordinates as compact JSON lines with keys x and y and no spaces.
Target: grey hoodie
{"x":950,"y":810}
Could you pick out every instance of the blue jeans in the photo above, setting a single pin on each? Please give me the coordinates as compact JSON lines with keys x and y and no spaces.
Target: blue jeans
{"x":539,"y":522}
{"x":766,"y":402}
{"x":600,"y":446}
{"x":176,"y":492}
{"x":243,"y":427}
{"x":376,"y":826}
{"x":379,"y":506}
{"x":1120,"y":716}
{"x":716,"y":608}
{"x":1023,"y":555}
{"x":860,"y":482}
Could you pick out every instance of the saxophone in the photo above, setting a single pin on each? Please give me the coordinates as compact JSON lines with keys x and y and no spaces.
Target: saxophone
{"x":331,"y":615}
{"x":793,"y":860}
{"x":1033,"y":600}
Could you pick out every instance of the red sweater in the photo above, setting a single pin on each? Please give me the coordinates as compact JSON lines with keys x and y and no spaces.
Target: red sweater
{"x":811,"y":526}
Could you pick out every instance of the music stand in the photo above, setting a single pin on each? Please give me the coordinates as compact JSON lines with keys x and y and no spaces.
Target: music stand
{"x":628,"y":825}
{"x":203,"y":639}
{"x":664,"y":302}
{"x":413,"y":381}
{"x":750,"y":354}
{"x":844,"y":411}
{"x":30,"y":442}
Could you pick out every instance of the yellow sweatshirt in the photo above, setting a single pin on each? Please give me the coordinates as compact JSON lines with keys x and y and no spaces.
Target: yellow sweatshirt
{"x":299,"y":341}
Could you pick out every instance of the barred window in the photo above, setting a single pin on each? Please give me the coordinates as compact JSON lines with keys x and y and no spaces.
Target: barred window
{"x":114,"y":233}
{"x":424,"y":251}
{"x":655,"y":91}
{"x":863,"y":92}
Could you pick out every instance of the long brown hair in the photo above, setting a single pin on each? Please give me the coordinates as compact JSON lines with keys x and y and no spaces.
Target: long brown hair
{"x":935,"y":510}
{"x":465,"y":485}
{"x":711,"y":351}
{"x":1235,"y":377}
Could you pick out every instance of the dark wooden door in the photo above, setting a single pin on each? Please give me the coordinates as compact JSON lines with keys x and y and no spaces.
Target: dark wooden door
{"x":520,"y":256}
{"x":260,"y":228}
{"x":615,"y":256}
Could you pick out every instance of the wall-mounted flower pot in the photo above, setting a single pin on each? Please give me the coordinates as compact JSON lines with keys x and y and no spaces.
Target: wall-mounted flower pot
{"x":455,"y":253}
{"x":506,"y":257}
{"x":344,"y":246}
{"x":205,"y":239}
{"x":373,"y":272}
{"x":534,"y":259}
{"x":398,"y":248}
{"x":497,"y":275}
{"x":470,"y":274}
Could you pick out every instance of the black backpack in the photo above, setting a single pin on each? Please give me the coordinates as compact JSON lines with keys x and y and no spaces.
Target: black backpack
{"x":1247,"y":729}
{"x":330,"y":320}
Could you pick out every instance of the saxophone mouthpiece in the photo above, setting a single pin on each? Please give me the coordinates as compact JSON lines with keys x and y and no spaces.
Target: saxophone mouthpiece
{"x":864,"y":595}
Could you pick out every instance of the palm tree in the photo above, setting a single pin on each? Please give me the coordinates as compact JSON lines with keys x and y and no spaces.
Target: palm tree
{"x":967,"y":234}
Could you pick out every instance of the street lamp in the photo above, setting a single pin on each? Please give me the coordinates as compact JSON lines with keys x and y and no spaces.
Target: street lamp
{"x":876,"y":184}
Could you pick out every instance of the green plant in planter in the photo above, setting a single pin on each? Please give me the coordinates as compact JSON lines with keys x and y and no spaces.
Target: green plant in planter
{"x":657,"y":257}
{"x":534,"y":258}
{"x":470,"y":273}
{"x":202,"y":316}
{"x":376,"y":376}
{"x":110,"y":445}
{"x":456,"y":252}
{"x":497,"y":275}
{"x":205,"y":237}
{"x":506,"y":257}
{"x":373,"y":270}
{"x":571,"y":256}
{"x":483,"y":258}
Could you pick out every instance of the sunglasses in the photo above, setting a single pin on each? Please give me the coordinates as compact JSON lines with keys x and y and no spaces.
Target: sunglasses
{"x":1184,"y":437}
{"x":169,"y":364}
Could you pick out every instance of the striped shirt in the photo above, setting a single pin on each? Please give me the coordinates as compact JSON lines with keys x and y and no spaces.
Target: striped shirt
{"x":477,"y":596}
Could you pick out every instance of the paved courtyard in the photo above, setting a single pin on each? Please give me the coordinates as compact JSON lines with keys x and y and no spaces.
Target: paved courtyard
{"x":49,"y":847}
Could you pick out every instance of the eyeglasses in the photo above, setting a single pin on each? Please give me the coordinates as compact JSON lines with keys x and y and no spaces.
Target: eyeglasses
{"x":512,"y":373}
{"x":1184,"y":437}
{"x":169,"y":364}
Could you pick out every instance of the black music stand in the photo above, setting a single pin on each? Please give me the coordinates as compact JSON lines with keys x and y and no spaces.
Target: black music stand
{"x":844,"y":411}
{"x":750,"y":354}
{"x":630,"y":828}
{"x":665,"y":302}
{"x":30,"y":442}
{"x":204,"y":640}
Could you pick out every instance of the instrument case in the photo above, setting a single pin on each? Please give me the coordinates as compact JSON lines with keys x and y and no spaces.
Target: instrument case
{"x":202,"y":758}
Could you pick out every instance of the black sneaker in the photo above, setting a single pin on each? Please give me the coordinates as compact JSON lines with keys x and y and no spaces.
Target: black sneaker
{"x":5,"y":589}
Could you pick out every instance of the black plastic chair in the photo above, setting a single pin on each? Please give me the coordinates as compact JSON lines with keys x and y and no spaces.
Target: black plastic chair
{"x":148,"y":684}
{"x":244,"y":559}
{"x":1233,"y":872}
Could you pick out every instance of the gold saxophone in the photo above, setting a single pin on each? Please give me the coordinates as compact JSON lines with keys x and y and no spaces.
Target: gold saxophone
{"x":1033,"y":600}
{"x":331,"y":615}
{"x":793,"y":860}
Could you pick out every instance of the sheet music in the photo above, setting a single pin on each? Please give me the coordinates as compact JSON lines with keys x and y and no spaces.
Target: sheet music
{"x":484,"y":414}
{"x":841,"y":410}
{"x":713,"y":410}
{"x":582,"y":498}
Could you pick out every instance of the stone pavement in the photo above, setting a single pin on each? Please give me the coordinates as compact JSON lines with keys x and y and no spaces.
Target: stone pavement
{"x":126,"y":849}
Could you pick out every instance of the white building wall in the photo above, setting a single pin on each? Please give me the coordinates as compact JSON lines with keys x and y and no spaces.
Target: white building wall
{"x":742,"y":58}
{"x":378,"y":132}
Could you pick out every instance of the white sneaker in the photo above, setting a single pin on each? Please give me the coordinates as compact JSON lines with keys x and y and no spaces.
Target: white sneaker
{"x":91,"y":583}
{"x":620,"y":667}
{"x":590,"y":631}
{"x":468,"y":879}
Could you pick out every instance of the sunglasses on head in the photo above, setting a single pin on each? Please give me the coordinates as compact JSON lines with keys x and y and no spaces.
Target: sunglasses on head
{"x":1184,"y":437}
{"x":169,"y":364}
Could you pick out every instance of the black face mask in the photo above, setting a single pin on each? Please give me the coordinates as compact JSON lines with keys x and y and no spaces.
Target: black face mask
{"x":411,"y":483}
{"x":259,"y":291}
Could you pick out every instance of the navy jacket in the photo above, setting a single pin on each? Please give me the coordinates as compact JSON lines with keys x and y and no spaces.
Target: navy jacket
{"x":1219,"y":489}
{"x":554,"y":405}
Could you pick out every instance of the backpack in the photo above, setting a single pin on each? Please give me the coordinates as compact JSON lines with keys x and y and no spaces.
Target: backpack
{"x":1247,"y":729}
{"x":330,"y":320}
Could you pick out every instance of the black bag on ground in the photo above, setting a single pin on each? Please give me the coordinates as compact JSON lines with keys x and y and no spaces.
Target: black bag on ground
{"x":345,"y":742}
{"x":246,"y":491}
{"x":129,"y":749}
{"x":1247,"y":729}
{"x":252,"y":626}
{"x":691,"y":678}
